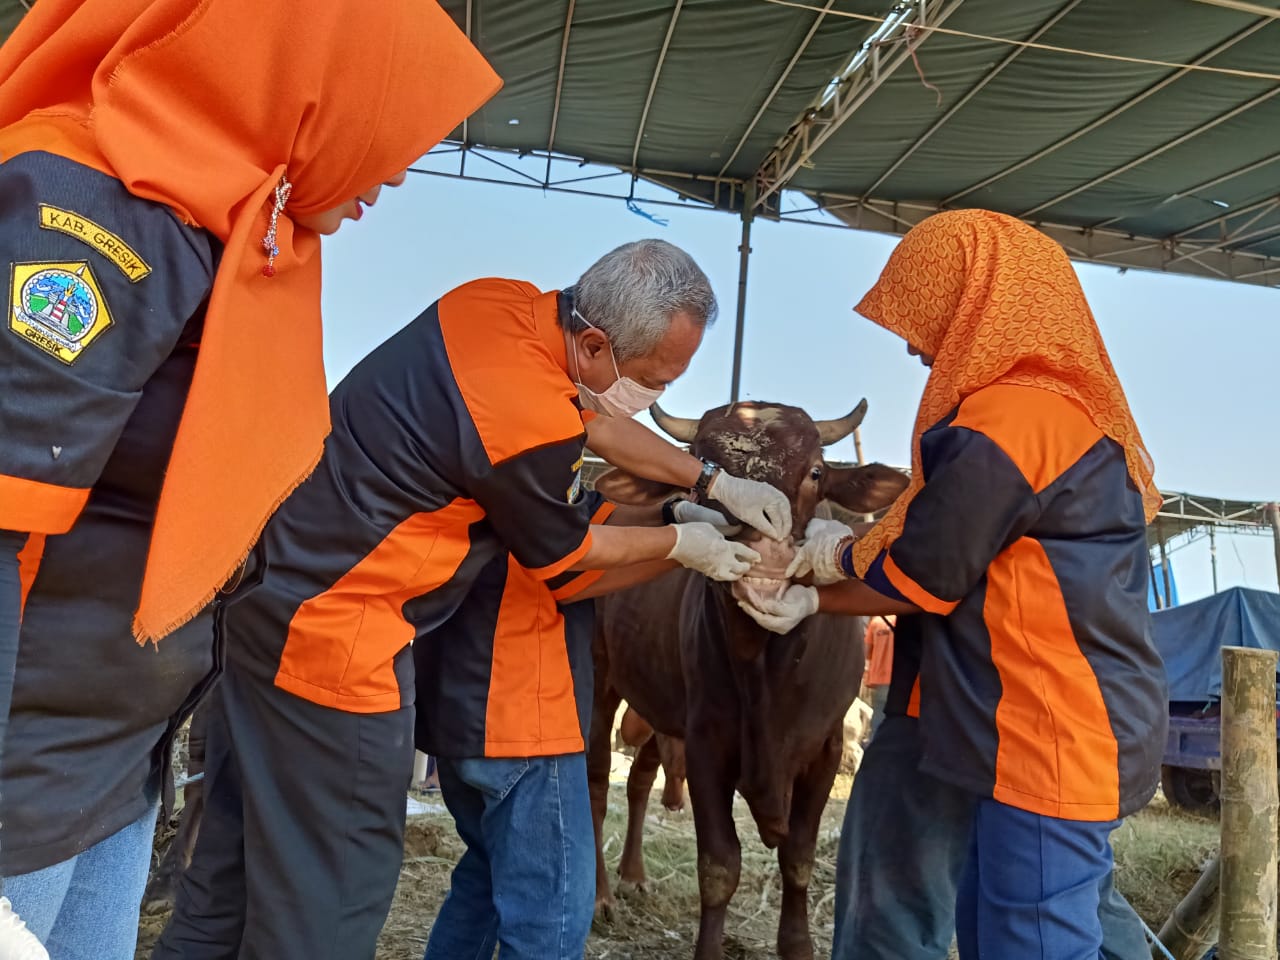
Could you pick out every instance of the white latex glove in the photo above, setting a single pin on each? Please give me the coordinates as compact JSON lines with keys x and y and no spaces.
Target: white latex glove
{"x":701,"y":547}
{"x":824,"y":541}
{"x":685,"y":511}
{"x":782,"y":615}
{"x":763,"y":506}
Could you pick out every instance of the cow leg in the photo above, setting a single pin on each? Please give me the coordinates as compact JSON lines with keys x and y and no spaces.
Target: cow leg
{"x":644,"y":769}
{"x":711,"y":785}
{"x":795,"y":853}
{"x":599,"y":756}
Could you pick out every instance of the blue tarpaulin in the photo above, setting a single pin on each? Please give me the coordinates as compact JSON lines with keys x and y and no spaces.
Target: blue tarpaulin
{"x":1190,"y":637}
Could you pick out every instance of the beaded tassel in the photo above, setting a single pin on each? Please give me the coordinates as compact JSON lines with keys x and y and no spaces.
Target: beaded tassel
{"x":283,"y":189}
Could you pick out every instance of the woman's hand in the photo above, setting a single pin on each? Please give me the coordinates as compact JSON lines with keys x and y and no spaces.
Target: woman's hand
{"x":825,"y":541}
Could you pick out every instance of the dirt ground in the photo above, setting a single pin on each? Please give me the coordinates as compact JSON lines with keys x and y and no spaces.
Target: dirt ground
{"x":1158,"y":852}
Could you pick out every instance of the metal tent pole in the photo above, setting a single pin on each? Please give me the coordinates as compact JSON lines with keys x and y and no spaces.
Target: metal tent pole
{"x":1273,"y":510}
{"x":1155,"y":587}
{"x":744,"y":260}
{"x":1164,"y":566}
{"x":1213,"y":555}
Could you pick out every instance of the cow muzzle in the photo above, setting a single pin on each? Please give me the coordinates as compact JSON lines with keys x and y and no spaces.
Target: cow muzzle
{"x":766,"y":580}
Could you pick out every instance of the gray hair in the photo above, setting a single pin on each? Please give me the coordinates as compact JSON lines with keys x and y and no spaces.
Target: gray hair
{"x":632,"y":293}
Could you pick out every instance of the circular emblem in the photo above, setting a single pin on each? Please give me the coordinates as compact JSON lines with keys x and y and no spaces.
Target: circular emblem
{"x":57,"y":307}
{"x":61,"y":303}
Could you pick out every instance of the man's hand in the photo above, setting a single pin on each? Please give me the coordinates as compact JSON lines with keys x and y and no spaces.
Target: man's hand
{"x":686,"y":511}
{"x":762,"y":506}
{"x":701,"y":547}
{"x":824,"y":541}
{"x":782,"y":615}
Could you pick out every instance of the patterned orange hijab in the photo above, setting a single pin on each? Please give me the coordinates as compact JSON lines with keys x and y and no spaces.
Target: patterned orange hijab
{"x":202,"y":105}
{"x":993,"y":300}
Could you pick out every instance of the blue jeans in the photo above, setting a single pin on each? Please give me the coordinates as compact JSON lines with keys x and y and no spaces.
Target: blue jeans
{"x":903,"y":849}
{"x":879,"y":697}
{"x":527,"y":880}
{"x":86,"y":908}
{"x":1030,"y":886}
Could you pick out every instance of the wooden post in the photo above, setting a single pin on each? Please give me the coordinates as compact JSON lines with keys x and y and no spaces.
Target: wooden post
{"x":857,"y":446}
{"x":1247,"y":923}
{"x":1192,"y":928}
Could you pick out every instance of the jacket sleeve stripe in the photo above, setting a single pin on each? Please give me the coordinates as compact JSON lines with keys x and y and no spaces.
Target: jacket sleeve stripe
{"x":33,"y":507}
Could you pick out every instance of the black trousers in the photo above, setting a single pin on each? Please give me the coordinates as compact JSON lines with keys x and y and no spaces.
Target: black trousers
{"x":303,"y":833}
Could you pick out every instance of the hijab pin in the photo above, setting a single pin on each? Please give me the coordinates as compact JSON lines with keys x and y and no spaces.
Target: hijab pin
{"x":283,"y":189}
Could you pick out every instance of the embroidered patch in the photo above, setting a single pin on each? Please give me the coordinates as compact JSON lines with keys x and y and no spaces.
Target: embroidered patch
{"x":96,"y":236}
{"x":58,"y":307}
{"x":575,"y":491}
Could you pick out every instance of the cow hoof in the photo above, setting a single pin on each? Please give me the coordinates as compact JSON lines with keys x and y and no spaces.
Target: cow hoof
{"x":158,"y":897}
{"x":628,"y":888}
{"x":796,"y":949}
{"x":605,"y":909}
{"x":154,"y":905}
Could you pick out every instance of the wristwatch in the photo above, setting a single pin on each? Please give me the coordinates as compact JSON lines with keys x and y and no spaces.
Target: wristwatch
{"x":709,"y":470}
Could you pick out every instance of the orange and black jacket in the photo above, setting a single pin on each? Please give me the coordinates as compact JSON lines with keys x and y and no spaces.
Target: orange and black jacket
{"x":457,"y":439}
{"x":104,"y":298}
{"x":510,"y":673}
{"x":1038,"y":682}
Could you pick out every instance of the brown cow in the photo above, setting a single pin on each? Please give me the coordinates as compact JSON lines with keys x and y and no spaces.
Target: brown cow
{"x":758,"y":713}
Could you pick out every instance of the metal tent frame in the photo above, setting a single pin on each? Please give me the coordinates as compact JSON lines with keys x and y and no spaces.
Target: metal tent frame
{"x":1237,"y":241}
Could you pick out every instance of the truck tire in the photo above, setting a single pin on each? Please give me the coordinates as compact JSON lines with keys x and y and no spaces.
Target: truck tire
{"x":1192,"y":790}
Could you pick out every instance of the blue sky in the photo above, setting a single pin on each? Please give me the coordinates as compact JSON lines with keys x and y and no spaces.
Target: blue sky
{"x":1199,"y":359}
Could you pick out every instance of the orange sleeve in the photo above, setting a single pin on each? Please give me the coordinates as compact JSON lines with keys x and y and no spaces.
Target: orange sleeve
{"x":33,"y":507}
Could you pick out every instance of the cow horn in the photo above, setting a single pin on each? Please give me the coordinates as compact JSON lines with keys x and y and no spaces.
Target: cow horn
{"x":833,"y":431}
{"x":681,"y":429}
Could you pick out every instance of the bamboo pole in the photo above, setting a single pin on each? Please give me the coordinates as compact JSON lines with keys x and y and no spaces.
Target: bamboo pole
{"x":1249,"y":805}
{"x":1192,"y":928}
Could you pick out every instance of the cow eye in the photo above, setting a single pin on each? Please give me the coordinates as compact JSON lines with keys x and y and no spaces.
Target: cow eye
{"x":815,"y":473}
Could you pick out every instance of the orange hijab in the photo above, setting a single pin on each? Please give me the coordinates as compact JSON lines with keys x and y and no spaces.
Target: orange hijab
{"x":993,"y":300}
{"x":202,"y":105}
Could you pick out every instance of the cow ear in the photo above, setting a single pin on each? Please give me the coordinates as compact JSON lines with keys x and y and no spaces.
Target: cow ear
{"x":626,"y":488}
{"x":864,"y":489}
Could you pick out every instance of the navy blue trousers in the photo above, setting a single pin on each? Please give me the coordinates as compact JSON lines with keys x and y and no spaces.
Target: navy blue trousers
{"x":903,"y":850}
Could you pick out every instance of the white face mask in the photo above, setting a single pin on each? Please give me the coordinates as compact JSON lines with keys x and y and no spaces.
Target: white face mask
{"x":625,"y":398}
